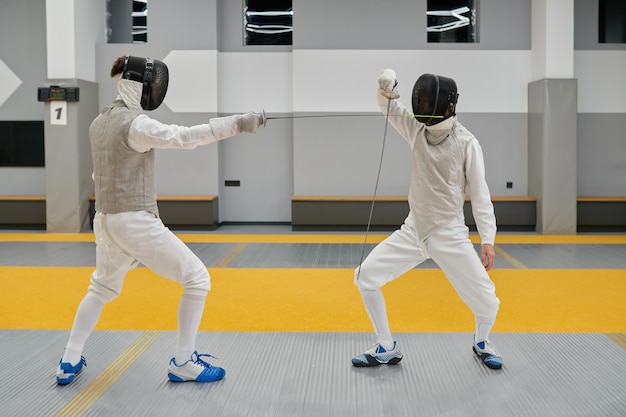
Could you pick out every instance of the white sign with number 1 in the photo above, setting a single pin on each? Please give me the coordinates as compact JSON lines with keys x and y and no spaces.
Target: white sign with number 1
{"x":58,"y":113}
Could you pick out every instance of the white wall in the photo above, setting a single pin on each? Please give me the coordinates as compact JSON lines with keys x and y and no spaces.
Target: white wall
{"x":345,"y":80}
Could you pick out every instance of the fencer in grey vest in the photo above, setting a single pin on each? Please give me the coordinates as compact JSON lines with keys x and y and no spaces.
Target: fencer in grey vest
{"x":125,"y":178}
{"x":127,"y":229}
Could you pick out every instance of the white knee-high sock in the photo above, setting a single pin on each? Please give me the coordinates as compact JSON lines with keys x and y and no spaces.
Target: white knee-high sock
{"x":86,"y":318}
{"x":377,"y":312}
{"x":190,"y":312}
{"x":483,"y":327}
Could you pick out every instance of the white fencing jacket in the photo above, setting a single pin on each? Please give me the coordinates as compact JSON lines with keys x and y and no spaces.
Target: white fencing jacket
{"x":446,"y":160}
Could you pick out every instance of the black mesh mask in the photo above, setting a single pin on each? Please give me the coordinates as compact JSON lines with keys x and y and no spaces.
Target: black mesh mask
{"x":154,"y":77}
{"x":432,"y":94}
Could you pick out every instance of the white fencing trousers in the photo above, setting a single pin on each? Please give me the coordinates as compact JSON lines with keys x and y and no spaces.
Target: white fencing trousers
{"x":450,"y":248}
{"x":123,"y":240}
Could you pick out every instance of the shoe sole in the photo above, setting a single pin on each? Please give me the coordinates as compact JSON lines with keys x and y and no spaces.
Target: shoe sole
{"x":371,"y":361}
{"x":176,"y":378}
{"x":483,"y":356}
{"x":65,"y":381}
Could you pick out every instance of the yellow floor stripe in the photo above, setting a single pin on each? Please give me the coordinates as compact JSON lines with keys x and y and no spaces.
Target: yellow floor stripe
{"x":373,"y":237}
{"x":619,"y":338}
{"x":96,"y":388}
{"x":224,"y":262}
{"x":47,"y":237}
{"x":509,"y":258}
{"x":320,"y":300}
{"x":558,"y":239}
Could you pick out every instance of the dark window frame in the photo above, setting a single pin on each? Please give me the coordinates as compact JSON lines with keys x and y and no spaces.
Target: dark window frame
{"x":452,"y":21}
{"x":611,"y":21}
{"x":267,"y":22}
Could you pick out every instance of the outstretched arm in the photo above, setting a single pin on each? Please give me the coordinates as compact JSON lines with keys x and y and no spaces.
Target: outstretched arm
{"x":146,"y":133}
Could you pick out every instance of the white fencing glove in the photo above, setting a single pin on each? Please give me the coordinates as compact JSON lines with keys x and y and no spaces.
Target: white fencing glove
{"x":250,"y":122}
{"x":387,"y":82}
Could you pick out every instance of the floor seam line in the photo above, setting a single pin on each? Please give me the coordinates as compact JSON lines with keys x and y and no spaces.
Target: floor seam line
{"x":509,"y":258}
{"x":230,"y":256}
{"x":88,"y":396}
{"x":619,"y":338}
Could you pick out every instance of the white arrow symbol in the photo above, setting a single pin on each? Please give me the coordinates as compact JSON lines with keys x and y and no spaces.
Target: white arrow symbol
{"x":9,"y":82}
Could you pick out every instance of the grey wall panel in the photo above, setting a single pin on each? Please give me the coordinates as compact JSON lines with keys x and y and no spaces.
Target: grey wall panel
{"x":401,"y":24}
{"x":585,"y":24}
{"x":190,"y":24}
{"x":187,"y":172}
{"x":504,"y":24}
{"x":22,"y":181}
{"x":504,"y":140}
{"x":552,"y":153}
{"x":602,"y":154}
{"x":338,"y":156}
{"x":68,"y":162}
{"x":355,"y":24}
{"x":87,"y":112}
{"x":119,"y":21}
{"x":23,"y":52}
{"x":263,"y":165}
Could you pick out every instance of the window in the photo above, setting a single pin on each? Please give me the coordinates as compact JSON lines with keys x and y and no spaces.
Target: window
{"x":451,"y":21}
{"x":268,"y":22}
{"x":22,"y":143}
{"x":140,"y":21}
{"x":612,"y":21}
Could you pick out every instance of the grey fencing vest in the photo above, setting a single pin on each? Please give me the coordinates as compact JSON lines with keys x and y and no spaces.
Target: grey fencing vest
{"x":124,"y":177}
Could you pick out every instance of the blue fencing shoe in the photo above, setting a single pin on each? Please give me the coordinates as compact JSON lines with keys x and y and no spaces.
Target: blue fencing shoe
{"x":488,"y":354}
{"x":377,"y":355}
{"x":66,"y":372}
{"x":195,"y":369}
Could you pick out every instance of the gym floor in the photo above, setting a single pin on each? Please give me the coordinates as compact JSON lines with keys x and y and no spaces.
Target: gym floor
{"x":284,"y":318}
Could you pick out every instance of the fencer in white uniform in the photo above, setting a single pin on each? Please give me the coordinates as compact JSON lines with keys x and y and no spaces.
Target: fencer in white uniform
{"x":447,"y":160}
{"x":127,"y":226}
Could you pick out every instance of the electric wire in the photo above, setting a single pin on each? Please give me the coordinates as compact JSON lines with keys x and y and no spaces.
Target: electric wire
{"x":380,"y":165}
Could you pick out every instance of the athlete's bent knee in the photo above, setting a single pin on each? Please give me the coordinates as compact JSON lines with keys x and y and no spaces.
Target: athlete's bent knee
{"x":489,"y":308}
{"x":364,"y":281}
{"x":199,"y":283}
{"x":102,"y":293}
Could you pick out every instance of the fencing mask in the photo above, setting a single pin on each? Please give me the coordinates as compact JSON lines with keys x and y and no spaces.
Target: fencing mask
{"x":432,"y":95}
{"x":154,"y":77}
